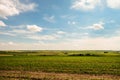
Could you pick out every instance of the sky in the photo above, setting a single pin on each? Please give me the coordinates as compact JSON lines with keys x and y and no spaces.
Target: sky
{"x":59,"y":24}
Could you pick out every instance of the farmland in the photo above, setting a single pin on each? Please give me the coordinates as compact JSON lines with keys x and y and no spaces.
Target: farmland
{"x":104,"y":64}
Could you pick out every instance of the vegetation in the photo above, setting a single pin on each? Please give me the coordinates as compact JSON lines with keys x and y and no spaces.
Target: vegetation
{"x":71,"y":62}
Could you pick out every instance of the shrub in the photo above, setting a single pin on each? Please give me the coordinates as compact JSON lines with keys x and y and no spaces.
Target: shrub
{"x":105,"y":52}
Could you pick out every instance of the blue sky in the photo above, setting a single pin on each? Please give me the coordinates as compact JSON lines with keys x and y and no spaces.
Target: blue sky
{"x":60,"y":24}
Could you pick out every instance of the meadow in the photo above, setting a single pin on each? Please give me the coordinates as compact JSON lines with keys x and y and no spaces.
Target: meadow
{"x":92,"y":63}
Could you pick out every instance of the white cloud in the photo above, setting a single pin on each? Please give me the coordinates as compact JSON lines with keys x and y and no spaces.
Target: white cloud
{"x":115,"y":4}
{"x":61,"y":32}
{"x":71,"y":22}
{"x":42,"y":37}
{"x":11,"y":43}
{"x":96,"y":43}
{"x":34,"y":28}
{"x":16,"y":32}
{"x":20,"y":31}
{"x":85,"y":4}
{"x":50,"y":19}
{"x":14,"y":7}
{"x":2,"y":24}
{"x":85,"y":33}
{"x":7,"y":33}
{"x":99,"y":43}
{"x":97,"y":26}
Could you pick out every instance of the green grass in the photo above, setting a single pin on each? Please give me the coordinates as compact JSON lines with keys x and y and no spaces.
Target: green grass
{"x":63,"y":64}
{"x":59,"y":52}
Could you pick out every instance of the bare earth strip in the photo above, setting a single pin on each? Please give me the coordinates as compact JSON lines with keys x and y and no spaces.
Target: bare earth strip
{"x":27,"y":75}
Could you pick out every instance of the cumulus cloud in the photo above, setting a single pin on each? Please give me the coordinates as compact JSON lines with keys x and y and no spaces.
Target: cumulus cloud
{"x":115,"y":4}
{"x":34,"y":28}
{"x":96,"y":26}
{"x":22,"y":30}
{"x":2,"y":24}
{"x":14,"y":7}
{"x":85,"y":4}
{"x":50,"y":19}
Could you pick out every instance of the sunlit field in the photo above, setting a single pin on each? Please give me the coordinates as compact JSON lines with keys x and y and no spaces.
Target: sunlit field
{"x":99,"y":63}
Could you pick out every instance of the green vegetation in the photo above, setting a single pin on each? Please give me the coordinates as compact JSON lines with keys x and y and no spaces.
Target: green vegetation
{"x":60,"y":53}
{"x":74,"y":62}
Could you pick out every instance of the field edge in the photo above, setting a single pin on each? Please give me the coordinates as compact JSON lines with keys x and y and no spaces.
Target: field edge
{"x":29,"y":75}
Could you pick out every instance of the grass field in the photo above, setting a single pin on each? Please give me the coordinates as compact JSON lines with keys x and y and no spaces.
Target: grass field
{"x":66,"y":62}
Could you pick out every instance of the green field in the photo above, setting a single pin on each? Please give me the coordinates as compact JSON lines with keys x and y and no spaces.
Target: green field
{"x":70,"y":62}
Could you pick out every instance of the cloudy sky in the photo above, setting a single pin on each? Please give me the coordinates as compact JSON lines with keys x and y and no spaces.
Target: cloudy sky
{"x":60,"y":24}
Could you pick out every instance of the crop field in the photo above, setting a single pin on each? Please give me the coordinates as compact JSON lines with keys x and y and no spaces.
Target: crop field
{"x":50,"y":65}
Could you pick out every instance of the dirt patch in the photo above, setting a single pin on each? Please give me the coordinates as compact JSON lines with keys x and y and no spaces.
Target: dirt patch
{"x":28,"y":75}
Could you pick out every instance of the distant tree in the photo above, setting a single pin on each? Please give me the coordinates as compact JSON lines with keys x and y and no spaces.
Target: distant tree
{"x":105,"y":52}
{"x":65,"y":53}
